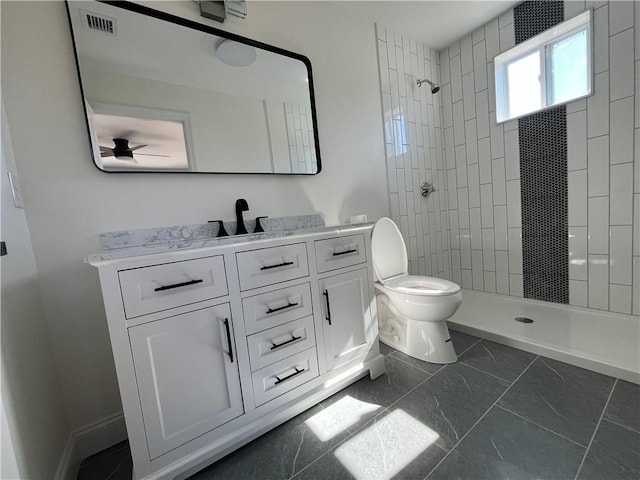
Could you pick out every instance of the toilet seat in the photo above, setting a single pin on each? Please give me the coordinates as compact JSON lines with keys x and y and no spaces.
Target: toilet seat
{"x":391,"y":264}
{"x":388,"y":251}
{"x":419,"y":285}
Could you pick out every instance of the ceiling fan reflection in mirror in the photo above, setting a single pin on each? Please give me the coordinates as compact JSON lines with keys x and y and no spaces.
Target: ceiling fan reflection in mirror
{"x":131,"y":138}
{"x":122,"y":151}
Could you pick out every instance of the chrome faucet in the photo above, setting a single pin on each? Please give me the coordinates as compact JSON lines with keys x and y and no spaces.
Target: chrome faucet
{"x":241,"y":206}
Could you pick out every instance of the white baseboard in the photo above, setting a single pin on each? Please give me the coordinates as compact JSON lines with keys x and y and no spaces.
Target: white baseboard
{"x":100,"y":435}
{"x":69,"y":461}
{"x":88,"y":441}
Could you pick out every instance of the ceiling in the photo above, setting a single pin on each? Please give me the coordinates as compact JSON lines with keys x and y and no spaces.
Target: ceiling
{"x":436,"y":24}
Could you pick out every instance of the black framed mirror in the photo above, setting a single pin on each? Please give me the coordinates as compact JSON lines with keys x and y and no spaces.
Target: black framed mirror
{"x":167,"y":94}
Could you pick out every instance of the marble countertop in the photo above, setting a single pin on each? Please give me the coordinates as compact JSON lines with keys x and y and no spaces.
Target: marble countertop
{"x":191,"y":244}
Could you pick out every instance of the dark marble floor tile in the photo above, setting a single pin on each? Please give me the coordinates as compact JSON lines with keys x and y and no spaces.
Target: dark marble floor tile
{"x":462,"y":341}
{"x":328,"y":467}
{"x":393,"y":445}
{"x":504,"y":446}
{"x":113,"y":463}
{"x":370,"y":397}
{"x":624,"y":406}
{"x":452,"y":401}
{"x":386,"y":349}
{"x":614,"y":454}
{"x":490,"y":357}
{"x":565,"y":399}
{"x":282,"y":452}
{"x":428,"y":367}
{"x":115,"y":449}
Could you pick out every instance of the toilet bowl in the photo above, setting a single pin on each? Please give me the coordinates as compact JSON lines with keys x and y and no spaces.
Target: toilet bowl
{"x":412,"y":309}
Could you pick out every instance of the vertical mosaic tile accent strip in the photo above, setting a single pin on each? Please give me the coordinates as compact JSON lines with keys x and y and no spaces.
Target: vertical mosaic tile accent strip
{"x":533,"y":17}
{"x":543,"y":177}
{"x":545,"y":226}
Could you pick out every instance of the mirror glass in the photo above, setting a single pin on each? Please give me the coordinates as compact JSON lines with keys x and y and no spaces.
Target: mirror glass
{"x":170,"y":95}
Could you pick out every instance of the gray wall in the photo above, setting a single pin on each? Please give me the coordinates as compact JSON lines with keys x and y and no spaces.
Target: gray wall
{"x":31,"y":395}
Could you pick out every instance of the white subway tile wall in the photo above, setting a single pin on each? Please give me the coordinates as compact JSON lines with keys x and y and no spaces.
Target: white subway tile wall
{"x":578,"y":295}
{"x":612,"y":164}
{"x":470,"y":229}
{"x":413,"y":129}
{"x":302,"y":153}
{"x":485,"y":235}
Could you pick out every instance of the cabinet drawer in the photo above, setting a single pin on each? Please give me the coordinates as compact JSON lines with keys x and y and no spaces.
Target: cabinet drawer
{"x":280,"y":342}
{"x":160,"y":287}
{"x":257,"y":268}
{"x":340,"y":252}
{"x":280,"y":377}
{"x":275,"y":308}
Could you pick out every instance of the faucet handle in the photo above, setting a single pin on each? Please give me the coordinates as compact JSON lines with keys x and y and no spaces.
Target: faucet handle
{"x":259,"y":228}
{"x":221,"y":231}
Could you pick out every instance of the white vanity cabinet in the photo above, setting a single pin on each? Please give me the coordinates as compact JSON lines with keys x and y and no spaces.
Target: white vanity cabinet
{"x":216,"y":345}
{"x":347,"y":316}
{"x":187,"y":375}
{"x":347,"y":299}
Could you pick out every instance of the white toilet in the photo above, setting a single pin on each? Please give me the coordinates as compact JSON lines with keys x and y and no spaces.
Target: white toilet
{"x":411,"y":309}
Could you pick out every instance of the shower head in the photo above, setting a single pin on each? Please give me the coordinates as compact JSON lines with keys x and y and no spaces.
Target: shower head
{"x":435,"y":88}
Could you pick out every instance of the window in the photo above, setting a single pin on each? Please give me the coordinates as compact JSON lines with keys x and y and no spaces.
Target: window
{"x":549,"y":69}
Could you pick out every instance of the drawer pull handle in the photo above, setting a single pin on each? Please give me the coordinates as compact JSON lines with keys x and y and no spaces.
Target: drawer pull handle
{"x":273,"y":310}
{"x":177,"y":285}
{"x":283,"y":264}
{"x":328,"y":317}
{"x":226,"y":326}
{"x":354,"y":250}
{"x":297,"y":372}
{"x":278,"y":345}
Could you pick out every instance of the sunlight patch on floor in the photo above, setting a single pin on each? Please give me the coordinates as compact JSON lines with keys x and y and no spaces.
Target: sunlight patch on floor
{"x":338,"y":417}
{"x":383,"y":449}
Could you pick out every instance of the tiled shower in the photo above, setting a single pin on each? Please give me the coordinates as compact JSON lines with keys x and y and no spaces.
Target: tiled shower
{"x":475,"y":165}
{"x":414,"y":150}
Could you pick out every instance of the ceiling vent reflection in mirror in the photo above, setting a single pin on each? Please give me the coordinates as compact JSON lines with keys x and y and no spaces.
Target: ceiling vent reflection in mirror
{"x":99,"y":23}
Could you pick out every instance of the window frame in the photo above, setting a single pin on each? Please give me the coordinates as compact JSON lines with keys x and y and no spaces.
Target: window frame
{"x":542,"y":43}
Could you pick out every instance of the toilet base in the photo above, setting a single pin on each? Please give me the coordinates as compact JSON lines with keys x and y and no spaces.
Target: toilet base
{"x":431,"y":345}
{"x":426,"y":341}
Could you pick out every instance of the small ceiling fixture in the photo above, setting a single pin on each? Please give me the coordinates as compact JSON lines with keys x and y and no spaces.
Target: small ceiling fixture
{"x":235,"y":54}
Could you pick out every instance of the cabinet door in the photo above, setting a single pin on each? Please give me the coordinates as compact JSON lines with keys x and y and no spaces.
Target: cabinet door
{"x":187,"y":376}
{"x":347,"y":326}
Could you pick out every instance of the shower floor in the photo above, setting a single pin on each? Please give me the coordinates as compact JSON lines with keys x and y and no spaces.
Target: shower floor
{"x":604,"y":342}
